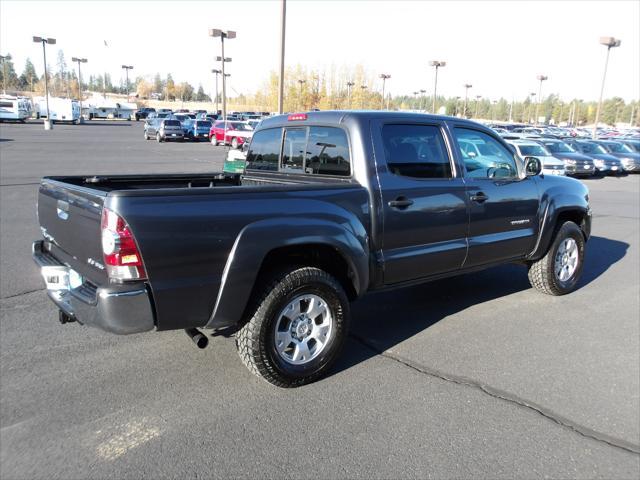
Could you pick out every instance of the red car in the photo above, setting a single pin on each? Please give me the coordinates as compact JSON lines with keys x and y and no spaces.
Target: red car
{"x":237,"y":133}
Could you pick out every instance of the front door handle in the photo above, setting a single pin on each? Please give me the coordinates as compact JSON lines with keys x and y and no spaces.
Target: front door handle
{"x":401,"y":203}
{"x":479,"y":197}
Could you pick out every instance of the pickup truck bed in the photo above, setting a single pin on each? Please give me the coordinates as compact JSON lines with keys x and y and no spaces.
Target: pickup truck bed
{"x":331,"y":205}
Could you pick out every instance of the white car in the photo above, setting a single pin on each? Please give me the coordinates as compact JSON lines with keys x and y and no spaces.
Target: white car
{"x":550,"y":164}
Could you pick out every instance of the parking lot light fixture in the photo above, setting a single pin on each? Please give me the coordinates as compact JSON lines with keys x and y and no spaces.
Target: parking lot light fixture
{"x":531,"y":99}
{"x":229,"y":34}
{"x":541,"y":78}
{"x":300,"y":102}
{"x":79,"y":61}
{"x":437,"y":64}
{"x":4,"y":59}
{"x":478,"y":97}
{"x":467,"y":86}
{"x":609,"y":42}
{"x":126,"y":69}
{"x":384,"y":77}
{"x":362,"y":88}
{"x":216,"y":72}
{"x":51,"y":41}
{"x":349,"y":85}
{"x":422,"y":92}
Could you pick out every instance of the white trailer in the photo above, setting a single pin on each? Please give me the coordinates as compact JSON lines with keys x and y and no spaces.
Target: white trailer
{"x":14,"y":108}
{"x":60,"y":109}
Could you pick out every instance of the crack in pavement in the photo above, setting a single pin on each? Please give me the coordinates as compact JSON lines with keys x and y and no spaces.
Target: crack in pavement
{"x":503,"y":395}
{"x":22,"y":293}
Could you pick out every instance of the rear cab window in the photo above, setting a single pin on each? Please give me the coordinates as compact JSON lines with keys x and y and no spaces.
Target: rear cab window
{"x":313,"y":150}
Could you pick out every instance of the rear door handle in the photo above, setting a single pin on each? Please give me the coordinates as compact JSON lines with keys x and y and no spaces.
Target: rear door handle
{"x":401,"y":203}
{"x":479,"y":197}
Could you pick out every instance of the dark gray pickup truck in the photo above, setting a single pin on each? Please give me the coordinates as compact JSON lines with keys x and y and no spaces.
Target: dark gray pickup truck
{"x":331,"y":205}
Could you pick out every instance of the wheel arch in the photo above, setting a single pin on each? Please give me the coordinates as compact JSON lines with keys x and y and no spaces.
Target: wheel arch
{"x":269,"y":244}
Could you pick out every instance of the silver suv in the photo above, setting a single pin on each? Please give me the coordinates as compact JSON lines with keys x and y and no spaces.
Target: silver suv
{"x":170,"y":129}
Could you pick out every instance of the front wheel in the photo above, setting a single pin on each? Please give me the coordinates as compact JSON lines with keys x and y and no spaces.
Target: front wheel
{"x":296,"y":329}
{"x":558,"y":272}
{"x":234,"y":142}
{"x":158,"y":138}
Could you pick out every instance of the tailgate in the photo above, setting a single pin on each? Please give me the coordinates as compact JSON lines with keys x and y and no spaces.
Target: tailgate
{"x":69,"y":218}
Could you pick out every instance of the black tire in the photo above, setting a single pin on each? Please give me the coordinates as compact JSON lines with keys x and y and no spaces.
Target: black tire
{"x":146,"y":136}
{"x":256,"y":339}
{"x":159,"y":138}
{"x":234,"y":143}
{"x":542,"y":273}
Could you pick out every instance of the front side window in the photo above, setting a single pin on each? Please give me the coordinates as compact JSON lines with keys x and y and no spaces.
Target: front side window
{"x":294,"y":148}
{"x":327,"y":152}
{"x":264,"y":151}
{"x":416,"y":151}
{"x":484,"y":156}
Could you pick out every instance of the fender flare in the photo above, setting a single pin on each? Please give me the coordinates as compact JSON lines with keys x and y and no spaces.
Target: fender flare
{"x":257,"y":240}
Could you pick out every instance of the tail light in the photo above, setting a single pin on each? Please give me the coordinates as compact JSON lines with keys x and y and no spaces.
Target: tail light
{"x":121,"y":255}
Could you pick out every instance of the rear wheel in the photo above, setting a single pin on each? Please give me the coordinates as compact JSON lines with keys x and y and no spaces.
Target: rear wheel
{"x":558,"y":272}
{"x":146,"y":135}
{"x":158,"y":137}
{"x":296,"y":328}
{"x":234,"y":142}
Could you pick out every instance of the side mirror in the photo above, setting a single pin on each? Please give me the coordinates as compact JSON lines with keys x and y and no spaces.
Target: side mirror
{"x":532,"y":166}
{"x":245,"y":147}
{"x":472,"y":154}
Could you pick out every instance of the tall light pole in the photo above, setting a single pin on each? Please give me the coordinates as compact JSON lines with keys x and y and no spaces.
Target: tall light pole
{"x":126,"y":69}
{"x":531,"y":98}
{"x":478,"y":97}
{"x":51,"y":41}
{"x":610,"y":43}
{"x":455,"y":110}
{"x":422,"y":92}
{"x":437,"y":64}
{"x":415,"y":98}
{"x":283,"y":26}
{"x":349,"y":85}
{"x":541,"y":78}
{"x":4,"y":59}
{"x":301,"y":82}
{"x":362,"y":88}
{"x":467,"y":86}
{"x":493,"y":110}
{"x":216,"y":72}
{"x":229,"y":34}
{"x":79,"y":61}
{"x":384,"y":77}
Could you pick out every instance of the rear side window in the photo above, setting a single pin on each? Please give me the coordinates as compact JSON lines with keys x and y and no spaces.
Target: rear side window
{"x":264,"y":151}
{"x":327,"y":152}
{"x":171,"y":123}
{"x":416,"y":151}
{"x":295,"y":141}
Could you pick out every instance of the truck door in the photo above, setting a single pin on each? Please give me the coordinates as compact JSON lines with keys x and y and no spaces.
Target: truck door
{"x":425,"y":211}
{"x":503,"y":204}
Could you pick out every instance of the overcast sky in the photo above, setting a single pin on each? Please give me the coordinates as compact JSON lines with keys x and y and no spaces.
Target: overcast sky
{"x":498,"y":47}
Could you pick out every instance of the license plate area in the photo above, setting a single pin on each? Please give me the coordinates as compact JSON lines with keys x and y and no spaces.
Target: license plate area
{"x":59,"y":277}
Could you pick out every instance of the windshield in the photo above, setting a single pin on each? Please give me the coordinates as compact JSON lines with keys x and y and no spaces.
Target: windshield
{"x":592,"y":148}
{"x":533,"y":150}
{"x":559,"y":147}
{"x":619,"y":148}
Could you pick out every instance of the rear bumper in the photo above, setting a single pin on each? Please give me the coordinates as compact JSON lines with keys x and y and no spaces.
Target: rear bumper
{"x":120,"y":309}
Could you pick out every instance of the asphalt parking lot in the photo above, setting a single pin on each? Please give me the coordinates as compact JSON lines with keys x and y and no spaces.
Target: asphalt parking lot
{"x":474,"y":376}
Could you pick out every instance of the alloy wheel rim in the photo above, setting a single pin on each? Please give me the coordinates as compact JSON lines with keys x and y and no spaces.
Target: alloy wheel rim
{"x":566,"y":261}
{"x":303,"y":329}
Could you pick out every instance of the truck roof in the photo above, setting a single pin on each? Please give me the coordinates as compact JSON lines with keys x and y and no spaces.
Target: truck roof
{"x":339,"y":116}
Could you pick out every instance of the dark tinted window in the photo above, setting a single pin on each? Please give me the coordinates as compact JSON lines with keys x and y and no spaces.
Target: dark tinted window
{"x":171,"y":123}
{"x":295,"y":140}
{"x":327,"y":152}
{"x":264,"y":151}
{"x":416,"y":151}
{"x":203,"y":124}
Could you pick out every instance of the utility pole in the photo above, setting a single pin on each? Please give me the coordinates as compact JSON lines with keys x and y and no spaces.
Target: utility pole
{"x":362,"y":88}
{"x":541,"y":78}
{"x":48,"y":125}
{"x":283,"y":25}
{"x":478,"y":97}
{"x":610,"y":43}
{"x":437,"y":64}
{"x":467,"y":86}
{"x":384,"y":78}
{"x":349,"y":85}
{"x":422,"y":100}
{"x":79,"y":61}
{"x":126,"y":69}
{"x":216,"y":72}
{"x":214,"y":32}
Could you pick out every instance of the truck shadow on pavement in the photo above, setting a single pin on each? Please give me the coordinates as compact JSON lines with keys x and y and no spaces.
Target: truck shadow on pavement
{"x":382,"y":320}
